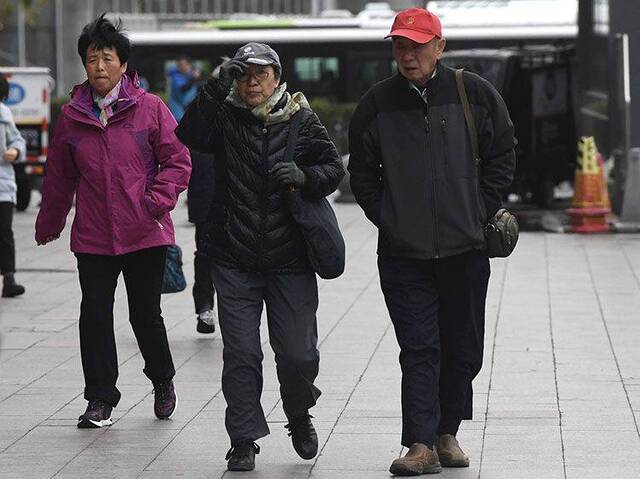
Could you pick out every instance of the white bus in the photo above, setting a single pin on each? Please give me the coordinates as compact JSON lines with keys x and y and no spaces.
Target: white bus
{"x":341,"y":58}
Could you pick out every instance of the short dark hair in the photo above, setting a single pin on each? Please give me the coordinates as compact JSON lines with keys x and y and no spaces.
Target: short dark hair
{"x":102,"y":33}
{"x":4,"y":88}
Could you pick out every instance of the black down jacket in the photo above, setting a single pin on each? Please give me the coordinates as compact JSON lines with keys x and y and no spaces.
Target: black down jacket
{"x":250,"y":226}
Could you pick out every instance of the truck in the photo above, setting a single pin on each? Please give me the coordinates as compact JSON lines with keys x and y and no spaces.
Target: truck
{"x":29,"y":100}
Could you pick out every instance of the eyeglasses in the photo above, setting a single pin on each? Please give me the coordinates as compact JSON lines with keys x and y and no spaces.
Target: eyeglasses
{"x":260,"y":76}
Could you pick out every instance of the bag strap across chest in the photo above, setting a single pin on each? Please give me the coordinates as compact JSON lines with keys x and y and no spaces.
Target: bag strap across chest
{"x":468,"y":116}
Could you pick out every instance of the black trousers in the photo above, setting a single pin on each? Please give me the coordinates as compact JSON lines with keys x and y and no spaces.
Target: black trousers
{"x":437,"y":309}
{"x":142,"y":271}
{"x":7,"y":245}
{"x":203,"y":290}
{"x":292,"y":302}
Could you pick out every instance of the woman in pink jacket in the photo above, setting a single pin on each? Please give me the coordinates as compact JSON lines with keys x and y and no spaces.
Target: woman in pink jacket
{"x":115,"y":149}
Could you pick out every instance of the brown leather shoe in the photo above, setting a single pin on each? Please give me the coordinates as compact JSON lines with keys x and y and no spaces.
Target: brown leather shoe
{"x":418,"y":460}
{"x":450,"y":453}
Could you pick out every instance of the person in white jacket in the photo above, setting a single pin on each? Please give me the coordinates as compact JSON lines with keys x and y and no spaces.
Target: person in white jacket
{"x":12,"y":147}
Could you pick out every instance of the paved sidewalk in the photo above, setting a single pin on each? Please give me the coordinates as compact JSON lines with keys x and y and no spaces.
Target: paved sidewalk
{"x":558,"y":397}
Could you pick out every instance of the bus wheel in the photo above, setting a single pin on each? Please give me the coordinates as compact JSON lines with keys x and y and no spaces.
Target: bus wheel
{"x":23,"y":194}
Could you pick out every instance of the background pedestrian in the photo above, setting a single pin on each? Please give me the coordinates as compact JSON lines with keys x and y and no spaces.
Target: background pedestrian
{"x":12,"y":147}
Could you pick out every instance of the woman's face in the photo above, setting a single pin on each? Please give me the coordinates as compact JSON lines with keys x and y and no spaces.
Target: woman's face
{"x":257,"y":84}
{"x":104,"y":69}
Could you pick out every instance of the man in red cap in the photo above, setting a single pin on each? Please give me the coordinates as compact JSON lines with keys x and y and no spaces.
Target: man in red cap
{"x":414,"y":174}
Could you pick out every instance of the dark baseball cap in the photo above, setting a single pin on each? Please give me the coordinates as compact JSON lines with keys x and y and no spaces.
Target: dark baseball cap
{"x":258,"y":54}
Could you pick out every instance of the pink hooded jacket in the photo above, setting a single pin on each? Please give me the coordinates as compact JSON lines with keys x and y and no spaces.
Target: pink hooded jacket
{"x":126,"y":175}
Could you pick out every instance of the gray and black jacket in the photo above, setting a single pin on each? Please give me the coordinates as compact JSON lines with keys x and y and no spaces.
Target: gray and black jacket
{"x":412,"y":167}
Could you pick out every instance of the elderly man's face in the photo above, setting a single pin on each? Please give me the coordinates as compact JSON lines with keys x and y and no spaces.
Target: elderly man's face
{"x":416,"y":61}
{"x":257,"y":84}
{"x":104,"y":69}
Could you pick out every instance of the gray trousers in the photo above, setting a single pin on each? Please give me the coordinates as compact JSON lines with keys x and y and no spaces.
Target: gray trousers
{"x":292,"y":302}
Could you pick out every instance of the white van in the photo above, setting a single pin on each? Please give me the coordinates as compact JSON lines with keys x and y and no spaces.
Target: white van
{"x":30,"y":100}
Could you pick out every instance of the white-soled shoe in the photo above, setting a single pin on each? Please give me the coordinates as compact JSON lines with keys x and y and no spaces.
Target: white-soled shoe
{"x":207,"y":322}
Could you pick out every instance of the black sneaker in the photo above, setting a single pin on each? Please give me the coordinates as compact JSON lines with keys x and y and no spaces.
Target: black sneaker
{"x":207,"y":322}
{"x":11,"y":289}
{"x":165,"y":400}
{"x":98,"y":414}
{"x":303,"y":436}
{"x":242,"y":456}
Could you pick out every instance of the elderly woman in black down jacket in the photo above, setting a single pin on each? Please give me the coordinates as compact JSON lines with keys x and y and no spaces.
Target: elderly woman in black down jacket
{"x":243,"y":116}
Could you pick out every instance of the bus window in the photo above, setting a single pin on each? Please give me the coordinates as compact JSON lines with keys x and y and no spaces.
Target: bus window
{"x":491,"y":69}
{"x":366,"y":70}
{"x":317,"y":76}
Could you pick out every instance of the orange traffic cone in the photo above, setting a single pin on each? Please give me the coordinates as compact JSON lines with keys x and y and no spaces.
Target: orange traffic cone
{"x":590,"y":205}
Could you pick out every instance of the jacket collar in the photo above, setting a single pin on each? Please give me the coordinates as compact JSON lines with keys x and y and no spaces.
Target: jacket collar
{"x":432,"y":83}
{"x":130,"y":92}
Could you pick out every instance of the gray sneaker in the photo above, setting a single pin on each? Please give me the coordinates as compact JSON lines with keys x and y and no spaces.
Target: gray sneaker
{"x":207,"y":322}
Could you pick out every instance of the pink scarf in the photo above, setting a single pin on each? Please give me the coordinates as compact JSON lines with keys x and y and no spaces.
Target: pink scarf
{"x":106,"y":103}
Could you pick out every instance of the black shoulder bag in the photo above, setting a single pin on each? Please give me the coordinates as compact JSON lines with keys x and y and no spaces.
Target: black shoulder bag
{"x":316,"y":220}
{"x":502,"y":230}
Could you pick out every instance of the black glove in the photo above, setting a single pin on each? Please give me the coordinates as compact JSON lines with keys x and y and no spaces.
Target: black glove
{"x":229,"y":71}
{"x":288,"y":173}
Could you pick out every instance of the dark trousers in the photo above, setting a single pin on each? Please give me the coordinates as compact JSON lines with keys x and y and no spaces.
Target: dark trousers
{"x":142,"y":271}
{"x":292,"y":302}
{"x":7,"y":245}
{"x":203,"y":290}
{"x":437,"y":309}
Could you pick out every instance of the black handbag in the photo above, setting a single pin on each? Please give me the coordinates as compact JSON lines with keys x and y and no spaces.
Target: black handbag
{"x":502,"y":234}
{"x":502,"y":231}
{"x":316,"y":220}
{"x":173,"y":280}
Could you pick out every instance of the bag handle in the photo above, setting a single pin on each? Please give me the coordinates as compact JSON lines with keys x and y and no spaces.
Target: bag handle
{"x":468,"y":117}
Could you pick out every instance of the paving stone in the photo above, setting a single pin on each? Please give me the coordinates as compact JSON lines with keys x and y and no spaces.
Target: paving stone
{"x":562,"y":369}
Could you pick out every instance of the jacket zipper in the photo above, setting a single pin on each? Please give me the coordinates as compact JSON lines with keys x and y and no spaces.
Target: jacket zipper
{"x":433,"y":183}
{"x":263,"y":206}
{"x":443,"y":124}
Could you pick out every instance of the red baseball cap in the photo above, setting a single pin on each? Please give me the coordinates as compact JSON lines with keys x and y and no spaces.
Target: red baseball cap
{"x":416,"y":24}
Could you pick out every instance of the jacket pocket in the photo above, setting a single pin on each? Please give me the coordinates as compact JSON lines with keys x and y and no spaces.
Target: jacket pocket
{"x":460,"y":213}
